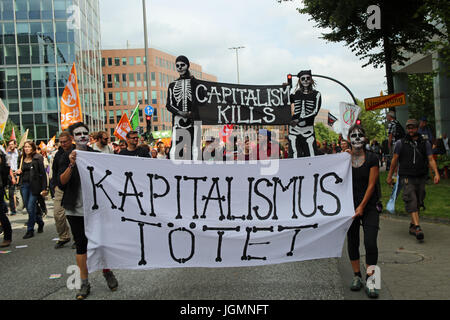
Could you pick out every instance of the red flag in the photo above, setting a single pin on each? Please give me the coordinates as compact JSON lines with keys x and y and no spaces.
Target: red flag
{"x":226,"y":131}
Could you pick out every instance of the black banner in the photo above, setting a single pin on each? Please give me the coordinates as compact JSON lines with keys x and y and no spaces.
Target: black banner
{"x":223,"y":103}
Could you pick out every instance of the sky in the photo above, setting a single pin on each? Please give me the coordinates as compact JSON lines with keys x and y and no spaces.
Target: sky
{"x":278,"y":40}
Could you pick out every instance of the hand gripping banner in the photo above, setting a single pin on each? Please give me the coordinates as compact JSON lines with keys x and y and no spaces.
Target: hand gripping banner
{"x":146,"y":213}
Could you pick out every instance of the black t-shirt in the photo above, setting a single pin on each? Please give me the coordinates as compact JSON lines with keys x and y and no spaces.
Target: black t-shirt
{"x":138,"y":152}
{"x":26,"y":169}
{"x":361,"y":180}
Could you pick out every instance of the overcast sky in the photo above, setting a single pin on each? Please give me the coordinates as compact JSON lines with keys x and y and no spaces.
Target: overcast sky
{"x":277,"y":39}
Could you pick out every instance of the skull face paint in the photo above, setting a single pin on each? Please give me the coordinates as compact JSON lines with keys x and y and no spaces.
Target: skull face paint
{"x":181,"y":68}
{"x":81,"y":136}
{"x":357,"y":139}
{"x":305,"y":80}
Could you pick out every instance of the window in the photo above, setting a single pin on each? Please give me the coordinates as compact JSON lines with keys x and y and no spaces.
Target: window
{"x":131,"y":80}
{"x":155,"y":114}
{"x":124,"y":61}
{"x":111,"y":116}
{"x":109,"y":61}
{"x":154,"y":97}
{"x":118,"y":99}
{"x":138,"y":80}
{"x":125,"y":98}
{"x":119,"y":115}
{"x":132,"y":97}
{"x":117,"y":62}
{"x":110,"y":84}
{"x":153,"y":75}
{"x":139,"y":96}
{"x":131,"y":61}
{"x":116,"y":80}
{"x":103,"y":62}
{"x":110,"y":99}
{"x":138,"y":61}
{"x":124,"y":80}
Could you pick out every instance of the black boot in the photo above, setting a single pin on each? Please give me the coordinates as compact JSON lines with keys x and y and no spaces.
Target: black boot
{"x":41,"y":227}
{"x":29,"y":234}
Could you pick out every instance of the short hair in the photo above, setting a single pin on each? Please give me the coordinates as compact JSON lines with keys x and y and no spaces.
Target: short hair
{"x":65,"y":134}
{"x":130,"y":133}
{"x":77,"y":125}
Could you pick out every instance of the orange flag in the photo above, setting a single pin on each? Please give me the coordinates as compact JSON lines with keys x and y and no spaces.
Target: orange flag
{"x":70,"y":102}
{"x":42,"y":145}
{"x":123,"y":127}
{"x":51,"y":143}
{"x":13,"y":135}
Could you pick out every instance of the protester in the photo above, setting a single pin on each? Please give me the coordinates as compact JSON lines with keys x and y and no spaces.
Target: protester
{"x":446,"y":144}
{"x":33,"y":181}
{"x":12,"y":154}
{"x":132,"y":146}
{"x":425,"y":130}
{"x":102,"y":143}
{"x":161,"y":150}
{"x":116,"y":147}
{"x":344,"y":145}
{"x":413,"y":155}
{"x":375,"y":147}
{"x":5,"y":173}
{"x":154,"y":153}
{"x":69,"y":180}
{"x":395,"y":132}
{"x":62,"y":228}
{"x":365,"y":173}
{"x":123,"y":145}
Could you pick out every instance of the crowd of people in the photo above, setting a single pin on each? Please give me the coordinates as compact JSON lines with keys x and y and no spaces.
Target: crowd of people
{"x":37,"y":173}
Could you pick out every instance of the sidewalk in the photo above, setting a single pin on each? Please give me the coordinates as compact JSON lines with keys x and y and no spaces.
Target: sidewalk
{"x":409,"y":269}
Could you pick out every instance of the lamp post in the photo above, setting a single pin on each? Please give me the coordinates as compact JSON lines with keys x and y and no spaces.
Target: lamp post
{"x":237,"y":59}
{"x":147,"y":62}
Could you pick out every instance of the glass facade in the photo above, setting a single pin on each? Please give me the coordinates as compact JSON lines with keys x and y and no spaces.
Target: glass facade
{"x":39,"y":41}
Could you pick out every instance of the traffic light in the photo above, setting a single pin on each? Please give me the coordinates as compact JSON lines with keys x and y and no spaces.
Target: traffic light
{"x":289,"y":78}
{"x":149,"y":125}
{"x":358,"y":122}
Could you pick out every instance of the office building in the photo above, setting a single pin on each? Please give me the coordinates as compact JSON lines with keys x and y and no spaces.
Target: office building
{"x":39,"y":41}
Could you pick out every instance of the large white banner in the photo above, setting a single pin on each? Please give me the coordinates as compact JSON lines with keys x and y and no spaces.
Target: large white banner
{"x":147,"y":213}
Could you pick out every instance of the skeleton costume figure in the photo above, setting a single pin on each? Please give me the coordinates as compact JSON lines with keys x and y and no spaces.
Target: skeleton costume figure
{"x":306,"y":102}
{"x":180,"y":104}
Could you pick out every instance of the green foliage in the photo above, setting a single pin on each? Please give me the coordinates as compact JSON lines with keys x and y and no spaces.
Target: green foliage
{"x":325,"y":133}
{"x":8,"y":131}
{"x":442,"y":161}
{"x":404,"y":27}
{"x":421,"y":97}
{"x":373,"y":123}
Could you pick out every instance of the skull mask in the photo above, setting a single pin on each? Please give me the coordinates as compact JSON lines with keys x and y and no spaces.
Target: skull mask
{"x":357,"y":139}
{"x":182,"y":64}
{"x":305,"y":80}
{"x":81,"y":136}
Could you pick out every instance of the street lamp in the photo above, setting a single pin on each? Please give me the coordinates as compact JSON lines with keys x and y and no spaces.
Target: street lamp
{"x":237,"y":59}
{"x":147,"y":62}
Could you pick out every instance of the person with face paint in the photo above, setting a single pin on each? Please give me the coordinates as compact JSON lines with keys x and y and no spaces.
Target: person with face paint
{"x":413,"y":155}
{"x":365,"y":172}
{"x":72,"y":201}
{"x":180,"y":104}
{"x":33,"y":181}
{"x":306,"y":103}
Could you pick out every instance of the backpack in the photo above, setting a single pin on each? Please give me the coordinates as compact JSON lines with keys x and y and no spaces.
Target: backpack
{"x":399,"y":132}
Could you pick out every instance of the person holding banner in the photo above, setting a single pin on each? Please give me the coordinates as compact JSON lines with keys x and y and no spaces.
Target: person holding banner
{"x":306,"y":103}
{"x":33,"y":179}
{"x":72,"y":201}
{"x":5,"y":172}
{"x":180,"y":104}
{"x":365,"y":172}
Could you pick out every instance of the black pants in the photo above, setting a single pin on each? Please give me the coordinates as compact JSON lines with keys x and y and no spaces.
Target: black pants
{"x":370,"y":223}
{"x":6,"y":225}
{"x":77,"y":227}
{"x":11,"y":189}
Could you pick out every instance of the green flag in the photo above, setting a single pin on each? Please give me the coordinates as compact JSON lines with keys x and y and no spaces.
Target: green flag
{"x":134,"y":120}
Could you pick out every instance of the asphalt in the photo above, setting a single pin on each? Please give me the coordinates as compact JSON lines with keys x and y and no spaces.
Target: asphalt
{"x":409,"y":271}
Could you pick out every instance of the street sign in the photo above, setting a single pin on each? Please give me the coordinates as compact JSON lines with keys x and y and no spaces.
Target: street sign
{"x":148,"y":110}
{"x":381,"y":102}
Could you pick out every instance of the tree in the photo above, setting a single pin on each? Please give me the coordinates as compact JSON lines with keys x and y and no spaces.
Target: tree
{"x":404,"y":28}
{"x":322,"y":133}
{"x":421,"y":97}
{"x":8,"y":131}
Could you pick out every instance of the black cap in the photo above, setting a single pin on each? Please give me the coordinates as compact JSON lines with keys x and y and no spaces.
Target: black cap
{"x":303,"y":72}
{"x":183,"y":59}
